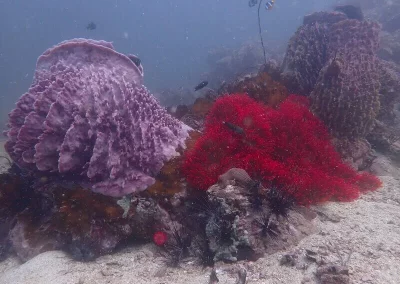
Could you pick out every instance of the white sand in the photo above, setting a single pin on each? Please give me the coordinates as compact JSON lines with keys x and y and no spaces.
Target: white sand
{"x":368,"y":227}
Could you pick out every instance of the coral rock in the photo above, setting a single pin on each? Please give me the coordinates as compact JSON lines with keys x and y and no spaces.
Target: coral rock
{"x":81,"y":222}
{"x":235,"y":229}
{"x":87,"y":114}
{"x":15,"y":194}
{"x":169,"y":179}
{"x":260,"y":87}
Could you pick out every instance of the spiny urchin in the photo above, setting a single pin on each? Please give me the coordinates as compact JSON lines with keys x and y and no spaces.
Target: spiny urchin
{"x":266,"y":226}
{"x":255,"y":197}
{"x":177,"y":246}
{"x":279,"y":201}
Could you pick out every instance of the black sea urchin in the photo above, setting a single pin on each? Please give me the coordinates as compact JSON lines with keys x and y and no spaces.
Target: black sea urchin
{"x":267,"y":227}
{"x":280,"y":202}
{"x":255,"y":198}
{"x":177,"y":246}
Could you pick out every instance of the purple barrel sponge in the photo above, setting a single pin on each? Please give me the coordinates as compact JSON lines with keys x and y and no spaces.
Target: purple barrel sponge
{"x":87,"y":114}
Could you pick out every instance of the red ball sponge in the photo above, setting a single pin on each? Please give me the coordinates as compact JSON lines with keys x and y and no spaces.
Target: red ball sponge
{"x":288,"y":146}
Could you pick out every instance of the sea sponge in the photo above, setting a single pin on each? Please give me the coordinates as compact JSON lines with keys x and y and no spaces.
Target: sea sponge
{"x":169,"y":179}
{"x":306,"y":53}
{"x":346,"y":95}
{"x":87,"y":114}
{"x":333,"y":59}
{"x":288,"y":146}
{"x":389,"y":77}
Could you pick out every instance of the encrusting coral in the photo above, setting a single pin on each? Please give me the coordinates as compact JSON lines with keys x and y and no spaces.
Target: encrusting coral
{"x":223,"y":224}
{"x":15,"y":194}
{"x":39,"y":215}
{"x":287,"y":146}
{"x":87,"y":114}
{"x":237,"y":231}
{"x":260,"y":87}
{"x":170,"y":179}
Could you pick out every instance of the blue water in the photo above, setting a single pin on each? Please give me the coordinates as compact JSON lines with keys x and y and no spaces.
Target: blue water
{"x":172,"y":37}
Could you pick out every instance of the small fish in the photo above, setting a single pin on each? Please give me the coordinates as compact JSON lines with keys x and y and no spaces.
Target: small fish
{"x":269,"y":5}
{"x":91,"y":26}
{"x":252,"y":3}
{"x":201,"y":85}
{"x":135,"y":59}
{"x":234,"y":128}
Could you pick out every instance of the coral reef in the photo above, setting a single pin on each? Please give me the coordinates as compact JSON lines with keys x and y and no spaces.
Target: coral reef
{"x":287,"y":146}
{"x":15,"y":194}
{"x":385,"y":139}
{"x":38,"y":216}
{"x":260,"y":87}
{"x":196,"y":113}
{"x":223,"y":224}
{"x":236,"y":230}
{"x":170,"y":179}
{"x":88,"y":115}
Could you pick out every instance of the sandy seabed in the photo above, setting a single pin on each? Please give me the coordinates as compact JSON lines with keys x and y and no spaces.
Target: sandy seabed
{"x":366,"y":232}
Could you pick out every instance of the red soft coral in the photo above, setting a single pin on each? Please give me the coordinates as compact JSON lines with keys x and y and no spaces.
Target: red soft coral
{"x":288,"y":146}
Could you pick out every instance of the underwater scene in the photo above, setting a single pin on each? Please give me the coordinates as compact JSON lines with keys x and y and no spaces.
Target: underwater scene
{"x":214,"y":141}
